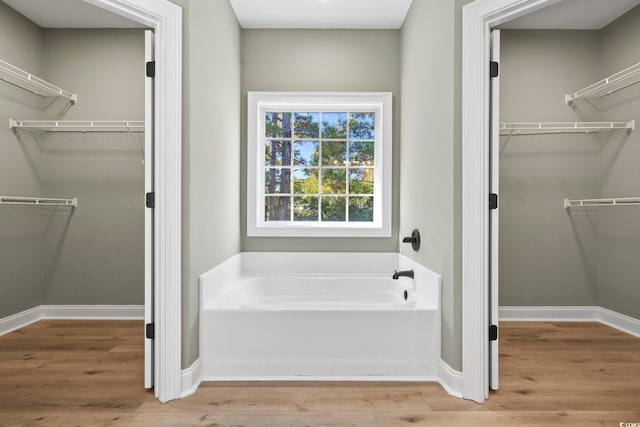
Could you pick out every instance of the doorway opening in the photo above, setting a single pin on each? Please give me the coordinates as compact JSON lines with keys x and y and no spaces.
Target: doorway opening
{"x":165,"y":19}
{"x":479,"y":267}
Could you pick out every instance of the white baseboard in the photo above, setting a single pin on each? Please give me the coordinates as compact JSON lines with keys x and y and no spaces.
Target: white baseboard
{"x":190,"y":379}
{"x":572,"y":314}
{"x":70,"y":312}
{"x":549,"y":314}
{"x":619,"y":321}
{"x":450,"y":379}
{"x":97,"y":312}
{"x":327,"y":378}
{"x":20,"y":320}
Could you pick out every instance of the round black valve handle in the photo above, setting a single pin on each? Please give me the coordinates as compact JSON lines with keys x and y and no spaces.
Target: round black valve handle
{"x":414,"y":240}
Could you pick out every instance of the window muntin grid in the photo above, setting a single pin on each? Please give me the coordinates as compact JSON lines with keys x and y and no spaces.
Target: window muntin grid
{"x":319,"y":166}
{"x":305,"y":138}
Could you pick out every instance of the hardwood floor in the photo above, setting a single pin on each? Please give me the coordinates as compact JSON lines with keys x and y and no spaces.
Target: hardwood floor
{"x":90,"y":373}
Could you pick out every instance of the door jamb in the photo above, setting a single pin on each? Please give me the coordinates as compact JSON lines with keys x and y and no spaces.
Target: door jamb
{"x":478,"y":18}
{"x":166,"y":20}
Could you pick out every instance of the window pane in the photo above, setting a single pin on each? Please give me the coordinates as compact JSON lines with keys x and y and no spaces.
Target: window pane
{"x":361,"y":209}
{"x":307,"y":125}
{"x":277,"y":125}
{"x":334,"y":208}
{"x":277,"y":181}
{"x":305,"y":208}
{"x":334,"y":181}
{"x":362,"y":125}
{"x":334,"y":125}
{"x":361,"y":181}
{"x":305,"y":181}
{"x":334,"y":153}
{"x":277,"y":208}
{"x":306,"y":153}
{"x":361,"y":153}
{"x":277,"y":153}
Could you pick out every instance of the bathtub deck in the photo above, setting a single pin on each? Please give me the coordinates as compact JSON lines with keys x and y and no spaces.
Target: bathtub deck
{"x":90,"y":372}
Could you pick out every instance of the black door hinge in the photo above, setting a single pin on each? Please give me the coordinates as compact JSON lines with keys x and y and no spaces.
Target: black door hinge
{"x":151,"y":69}
{"x":150,"y":200}
{"x":493,"y":69}
{"x":149,"y":331}
{"x":493,"y":332}
{"x":493,"y":201}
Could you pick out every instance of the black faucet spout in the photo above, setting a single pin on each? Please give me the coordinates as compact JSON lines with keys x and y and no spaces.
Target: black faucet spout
{"x":403,"y":273}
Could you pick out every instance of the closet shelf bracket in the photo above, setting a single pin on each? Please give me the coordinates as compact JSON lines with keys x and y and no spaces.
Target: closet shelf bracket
{"x":615,"y":82}
{"x":38,"y":201}
{"x":79,"y":125}
{"x":615,"y":201}
{"x":512,"y":129}
{"x":27,"y":81}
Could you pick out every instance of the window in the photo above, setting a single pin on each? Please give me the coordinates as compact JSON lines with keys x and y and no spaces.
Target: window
{"x":319,"y":164}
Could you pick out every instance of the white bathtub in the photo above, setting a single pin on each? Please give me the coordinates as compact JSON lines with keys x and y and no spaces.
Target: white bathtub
{"x":319,"y":316}
{"x":320,"y":292}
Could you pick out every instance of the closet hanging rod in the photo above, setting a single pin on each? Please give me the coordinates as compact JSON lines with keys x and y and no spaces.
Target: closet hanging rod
{"x":614,"y":201}
{"x":79,"y":125}
{"x":39,"y":201}
{"x":27,"y":81}
{"x":563,"y":127}
{"x":615,"y":82}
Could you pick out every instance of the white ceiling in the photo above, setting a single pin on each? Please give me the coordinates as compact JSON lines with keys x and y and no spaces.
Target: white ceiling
{"x":568,"y":14}
{"x":574,"y":15}
{"x":321,"y":13}
{"x":69,"y":14}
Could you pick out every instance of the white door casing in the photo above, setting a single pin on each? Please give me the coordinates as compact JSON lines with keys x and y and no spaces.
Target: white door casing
{"x":478,"y":18}
{"x":165,"y":18}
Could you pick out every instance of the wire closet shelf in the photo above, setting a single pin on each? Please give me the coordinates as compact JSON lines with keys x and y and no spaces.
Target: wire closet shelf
{"x":615,"y":82}
{"x":27,"y":81}
{"x":511,"y":129}
{"x":614,"y":201}
{"x":79,"y":125}
{"x":38,"y":201}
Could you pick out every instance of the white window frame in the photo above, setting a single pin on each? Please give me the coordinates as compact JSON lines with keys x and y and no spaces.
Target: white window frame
{"x":261,"y":102}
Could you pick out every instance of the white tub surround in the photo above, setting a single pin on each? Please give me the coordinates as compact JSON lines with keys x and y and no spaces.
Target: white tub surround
{"x":317,"y":316}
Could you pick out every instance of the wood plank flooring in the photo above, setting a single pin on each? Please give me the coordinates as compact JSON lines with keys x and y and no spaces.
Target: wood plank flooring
{"x":67,"y":373}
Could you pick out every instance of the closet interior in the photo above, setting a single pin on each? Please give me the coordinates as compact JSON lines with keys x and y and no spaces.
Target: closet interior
{"x":569,"y":175}
{"x":71,"y":186}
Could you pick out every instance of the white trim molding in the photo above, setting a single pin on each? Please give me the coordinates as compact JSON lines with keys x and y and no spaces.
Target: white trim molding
{"x":70,"y":312}
{"x":261,"y":103}
{"x":166,"y":20}
{"x":190,"y":379}
{"x":478,"y":18}
{"x":548,"y":313}
{"x":608,"y":317}
{"x":619,"y":321}
{"x":450,"y":379}
{"x":20,"y":320}
{"x":93,"y":312}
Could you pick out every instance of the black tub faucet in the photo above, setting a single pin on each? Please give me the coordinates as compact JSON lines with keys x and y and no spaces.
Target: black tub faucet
{"x":404,"y":273}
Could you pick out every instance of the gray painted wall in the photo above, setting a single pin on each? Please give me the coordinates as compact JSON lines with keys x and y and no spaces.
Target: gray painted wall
{"x":619,"y":228}
{"x":96,"y":255}
{"x":93,"y":255}
{"x":550,"y":256}
{"x":322,"y":60}
{"x":211,"y":151}
{"x":547,"y":254}
{"x":430,"y":187}
{"x":427,"y":193}
{"x":21,"y":230}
